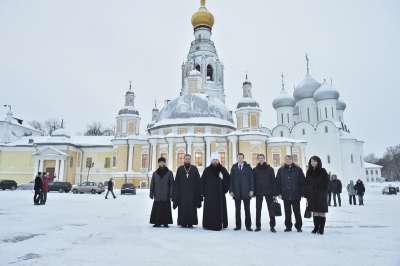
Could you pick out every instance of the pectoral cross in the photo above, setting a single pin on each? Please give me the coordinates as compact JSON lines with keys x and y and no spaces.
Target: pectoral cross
{"x":187,"y":175}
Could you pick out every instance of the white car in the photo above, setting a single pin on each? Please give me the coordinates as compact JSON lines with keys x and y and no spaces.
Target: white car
{"x":27,"y":186}
{"x":92,"y":187}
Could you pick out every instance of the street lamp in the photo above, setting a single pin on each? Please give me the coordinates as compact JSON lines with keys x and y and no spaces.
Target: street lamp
{"x":88,"y":165}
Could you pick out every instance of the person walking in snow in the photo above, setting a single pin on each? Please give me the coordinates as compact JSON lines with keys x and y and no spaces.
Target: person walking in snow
{"x":45,"y":187}
{"x":110,"y":188}
{"x":360,"y":190}
{"x":336,"y":190}
{"x":352,"y":192}
{"x":38,"y":189}
{"x":317,"y":181}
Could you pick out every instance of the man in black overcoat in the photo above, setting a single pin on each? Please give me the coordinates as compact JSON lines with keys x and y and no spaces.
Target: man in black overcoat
{"x":290,"y":181}
{"x":265,"y":187}
{"x":241,"y":188}
{"x":38,"y":189}
{"x":215,"y":184}
{"x":187,"y":193}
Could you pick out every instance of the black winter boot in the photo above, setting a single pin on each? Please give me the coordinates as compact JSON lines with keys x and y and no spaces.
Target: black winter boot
{"x":316,"y":224}
{"x":321,"y":225}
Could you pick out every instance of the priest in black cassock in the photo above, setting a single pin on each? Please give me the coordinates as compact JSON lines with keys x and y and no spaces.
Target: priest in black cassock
{"x":215,"y":184}
{"x":187,"y":193}
{"x":162,"y":184}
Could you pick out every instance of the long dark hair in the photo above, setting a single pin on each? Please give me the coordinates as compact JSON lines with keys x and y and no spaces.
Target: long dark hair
{"x":315,"y":158}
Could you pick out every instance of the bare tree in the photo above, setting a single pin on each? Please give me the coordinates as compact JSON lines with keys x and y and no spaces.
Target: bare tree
{"x":37,"y":125}
{"x":392,"y":158}
{"x":97,"y":129}
{"x":51,"y":125}
{"x":371,"y":158}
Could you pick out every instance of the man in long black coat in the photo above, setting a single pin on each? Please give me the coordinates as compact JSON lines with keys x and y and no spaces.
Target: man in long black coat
{"x":215,"y":184}
{"x":187,"y":193}
{"x":241,"y":188}
{"x":38,"y":189}
{"x":290,"y":181}
{"x":162,"y":184}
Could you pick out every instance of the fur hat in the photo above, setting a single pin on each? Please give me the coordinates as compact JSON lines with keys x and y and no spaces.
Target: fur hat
{"x":215,"y":155}
{"x":161,"y":159}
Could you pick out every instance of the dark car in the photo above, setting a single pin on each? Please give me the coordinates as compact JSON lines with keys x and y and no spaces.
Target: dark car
{"x":60,"y":186}
{"x":8,"y":184}
{"x":128,"y":188}
{"x":389,"y":190}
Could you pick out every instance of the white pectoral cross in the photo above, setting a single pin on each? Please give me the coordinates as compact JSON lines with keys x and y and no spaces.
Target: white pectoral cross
{"x":187,"y":175}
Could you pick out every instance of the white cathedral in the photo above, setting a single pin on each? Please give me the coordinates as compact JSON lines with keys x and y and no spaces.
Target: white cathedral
{"x":197,"y":122}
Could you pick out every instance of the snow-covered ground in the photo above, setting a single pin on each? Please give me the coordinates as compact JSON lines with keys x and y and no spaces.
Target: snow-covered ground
{"x":86,"y":229}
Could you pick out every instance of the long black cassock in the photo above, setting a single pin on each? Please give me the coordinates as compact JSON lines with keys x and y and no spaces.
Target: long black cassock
{"x":187,"y":194}
{"x":215,"y":216}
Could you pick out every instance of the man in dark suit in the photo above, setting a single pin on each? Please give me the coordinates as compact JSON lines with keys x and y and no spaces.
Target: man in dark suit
{"x":241,"y":188}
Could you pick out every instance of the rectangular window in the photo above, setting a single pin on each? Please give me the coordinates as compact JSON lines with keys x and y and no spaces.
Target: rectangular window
{"x":304,"y":131}
{"x":295,"y":158}
{"x":326,"y":129}
{"x":281,"y":133}
{"x":288,"y":118}
{"x":88,"y":160}
{"x":145,"y":160}
{"x":376,"y":172}
{"x":333,"y":115}
{"x":198,"y":159}
{"x":366,"y":171}
{"x":181,"y":159}
{"x":308,"y":114}
{"x":254,"y":156}
{"x":329,"y":159}
{"x":107,"y":163}
{"x":352,"y":159}
{"x":326,"y":113}
{"x":372,"y":172}
{"x":71,"y":162}
{"x":114,"y":161}
{"x":282,"y":118}
{"x":222,"y":156}
{"x":276,"y":159}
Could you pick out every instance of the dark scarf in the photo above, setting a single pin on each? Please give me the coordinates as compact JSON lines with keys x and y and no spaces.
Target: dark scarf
{"x":215,"y":170}
{"x":161,"y":171}
{"x":262,"y":166}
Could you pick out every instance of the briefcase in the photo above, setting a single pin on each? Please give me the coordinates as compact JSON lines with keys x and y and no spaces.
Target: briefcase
{"x":275,"y":208}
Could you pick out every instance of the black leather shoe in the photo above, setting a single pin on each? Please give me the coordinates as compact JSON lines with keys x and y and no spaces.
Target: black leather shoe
{"x":156,"y":225}
{"x":249,"y":229}
{"x":287,"y":230}
{"x":272,"y":230}
{"x":257,"y":229}
{"x":299,"y":230}
{"x":236,"y":228}
{"x":190,"y":226}
{"x":166,"y":225}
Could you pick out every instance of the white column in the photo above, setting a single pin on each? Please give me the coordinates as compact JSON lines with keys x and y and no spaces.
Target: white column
{"x":154,"y":156}
{"x":170,"y":155}
{"x":303,"y":153}
{"x":36,"y":170}
{"x":233,"y":159}
{"x":189,"y":148}
{"x":56,"y":171}
{"x":288,"y":152}
{"x":208,"y":151}
{"x":130,"y":157}
{"x":61,"y":178}
{"x":41,"y":165}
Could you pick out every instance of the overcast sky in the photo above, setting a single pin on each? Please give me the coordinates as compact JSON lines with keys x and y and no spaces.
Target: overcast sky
{"x":73,"y":60}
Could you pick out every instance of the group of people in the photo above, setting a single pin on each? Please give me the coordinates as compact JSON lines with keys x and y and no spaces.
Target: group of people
{"x":188,"y":192}
{"x":41,"y":187}
{"x":335,"y":188}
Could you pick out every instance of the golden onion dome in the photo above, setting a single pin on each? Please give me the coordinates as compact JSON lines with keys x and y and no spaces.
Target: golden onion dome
{"x":202,"y":17}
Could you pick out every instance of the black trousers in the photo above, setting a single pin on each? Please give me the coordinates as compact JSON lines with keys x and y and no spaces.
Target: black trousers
{"x":238,"y":206}
{"x":38,"y":196}
{"x":295,"y":204}
{"x":329,"y":197}
{"x":354,"y":199}
{"x":44,"y":197}
{"x":259,"y":201}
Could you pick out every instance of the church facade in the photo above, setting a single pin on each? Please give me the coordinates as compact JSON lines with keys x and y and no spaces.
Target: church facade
{"x":198,"y":123}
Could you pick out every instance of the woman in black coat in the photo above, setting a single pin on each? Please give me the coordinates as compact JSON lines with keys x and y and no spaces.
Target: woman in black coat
{"x":317,"y":181}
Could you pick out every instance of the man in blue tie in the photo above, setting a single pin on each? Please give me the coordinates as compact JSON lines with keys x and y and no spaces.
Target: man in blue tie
{"x":241,"y":188}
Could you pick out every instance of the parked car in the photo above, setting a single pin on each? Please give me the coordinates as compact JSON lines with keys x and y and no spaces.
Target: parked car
{"x":60,"y":186}
{"x":128,"y":188}
{"x":92,"y":187}
{"x":8,"y":184}
{"x":27,"y":186}
{"x":389,"y":190}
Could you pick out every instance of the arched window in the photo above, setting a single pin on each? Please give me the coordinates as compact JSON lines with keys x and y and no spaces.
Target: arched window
{"x":167,"y":133}
{"x":182,"y":132}
{"x":215,"y":132}
{"x":199,"y":132}
{"x":210,"y":71}
{"x":198,"y":68}
{"x":326,"y":113}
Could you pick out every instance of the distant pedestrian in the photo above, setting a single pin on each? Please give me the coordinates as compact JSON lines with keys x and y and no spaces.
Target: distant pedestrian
{"x":317,"y":181}
{"x":336,"y":190}
{"x":352,"y":192}
{"x":38,"y":189}
{"x":45,"y":187}
{"x":110,"y":188}
{"x":290,"y":181}
{"x":329,"y":192}
{"x":161,"y":188}
{"x":360,"y":190}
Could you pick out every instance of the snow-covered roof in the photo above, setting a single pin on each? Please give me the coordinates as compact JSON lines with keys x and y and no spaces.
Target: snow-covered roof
{"x":194,"y":73}
{"x":247,"y":102}
{"x":325,"y":92}
{"x":61,"y":132}
{"x":306,"y":88}
{"x":128,"y":110}
{"x":281,"y":139}
{"x":371,"y":165}
{"x":340,"y":104}
{"x":346,"y":135}
{"x":283,"y":99}
{"x":199,"y":109}
{"x":77,"y":140}
{"x":19,"y":122}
